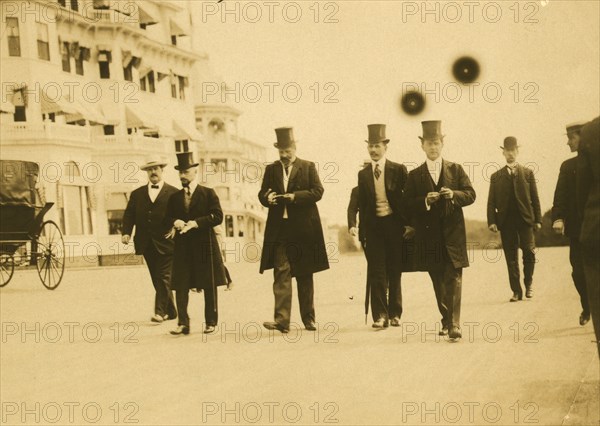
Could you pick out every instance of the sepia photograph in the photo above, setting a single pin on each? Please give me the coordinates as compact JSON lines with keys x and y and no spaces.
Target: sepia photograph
{"x":309,"y":212}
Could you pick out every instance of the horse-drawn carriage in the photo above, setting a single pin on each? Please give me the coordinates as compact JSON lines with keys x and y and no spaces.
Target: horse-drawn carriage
{"x":24,"y":235}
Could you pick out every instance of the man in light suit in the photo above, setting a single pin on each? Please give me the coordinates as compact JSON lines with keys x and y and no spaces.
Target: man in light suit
{"x":146,"y":211}
{"x":380,"y":186}
{"x":566,"y":219}
{"x":514,"y":209}
{"x":435,"y":195}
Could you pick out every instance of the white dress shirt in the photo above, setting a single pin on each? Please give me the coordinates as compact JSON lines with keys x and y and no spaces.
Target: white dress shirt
{"x":381,"y":163}
{"x":153,"y":192}
{"x":511,"y":168}
{"x":286,"y":180}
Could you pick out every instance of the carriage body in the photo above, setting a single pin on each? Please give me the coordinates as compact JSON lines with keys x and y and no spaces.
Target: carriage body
{"x":22,"y":211}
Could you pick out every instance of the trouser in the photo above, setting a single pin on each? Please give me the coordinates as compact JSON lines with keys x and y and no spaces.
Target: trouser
{"x":383,"y":268}
{"x":159,"y":266}
{"x":447,"y":285}
{"x":515,"y":234}
{"x":578,"y":274}
{"x":211,"y":310}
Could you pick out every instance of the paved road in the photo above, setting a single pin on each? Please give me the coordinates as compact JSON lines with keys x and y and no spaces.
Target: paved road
{"x":87,"y":353}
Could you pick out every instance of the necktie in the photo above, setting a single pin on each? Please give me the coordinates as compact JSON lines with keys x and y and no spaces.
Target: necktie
{"x":154,"y":186}
{"x":377,"y":171}
{"x":187,"y":198}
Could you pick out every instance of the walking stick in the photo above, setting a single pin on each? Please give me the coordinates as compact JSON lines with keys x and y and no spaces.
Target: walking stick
{"x":212,"y":270}
{"x":368,"y":293}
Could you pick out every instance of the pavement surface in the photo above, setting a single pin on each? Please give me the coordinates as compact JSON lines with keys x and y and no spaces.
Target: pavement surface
{"x":87,"y":353}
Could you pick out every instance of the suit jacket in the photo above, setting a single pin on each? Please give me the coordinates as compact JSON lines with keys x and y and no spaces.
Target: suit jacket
{"x":588,"y":184}
{"x":353,"y":213}
{"x":310,"y":254}
{"x":528,"y":202}
{"x":197,"y":261}
{"x":395,"y":178}
{"x":565,"y":199}
{"x":148,"y":218}
{"x":435,"y":233}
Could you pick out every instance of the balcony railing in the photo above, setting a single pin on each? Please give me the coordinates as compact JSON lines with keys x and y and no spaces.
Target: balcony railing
{"x":134,"y":143}
{"x":49,"y":131}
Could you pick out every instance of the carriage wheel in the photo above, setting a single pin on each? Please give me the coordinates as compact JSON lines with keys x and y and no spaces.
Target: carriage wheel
{"x":7,"y":268}
{"x":50,"y":259}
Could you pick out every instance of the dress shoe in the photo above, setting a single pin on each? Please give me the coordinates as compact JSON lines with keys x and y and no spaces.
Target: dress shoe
{"x":584,"y":318}
{"x":443,"y":331}
{"x":528,"y":292}
{"x":516,"y":297}
{"x":395,"y":322}
{"x":209,"y":329}
{"x":380,"y":324}
{"x":269,"y":325}
{"x":310,"y":326}
{"x":454,"y":333}
{"x":181,"y":329}
{"x":157,"y":318}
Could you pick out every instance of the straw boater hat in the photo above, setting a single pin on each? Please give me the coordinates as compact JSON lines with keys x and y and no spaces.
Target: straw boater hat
{"x":153,"y":161}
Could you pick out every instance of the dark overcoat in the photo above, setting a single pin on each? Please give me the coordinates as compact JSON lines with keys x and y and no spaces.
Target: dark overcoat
{"x":565,"y":200}
{"x":433,"y":234}
{"x":197,"y":261}
{"x":149,"y":219}
{"x":306,"y":249}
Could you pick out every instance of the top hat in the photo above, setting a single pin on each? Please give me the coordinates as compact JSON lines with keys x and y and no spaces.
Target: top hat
{"x":575,"y":127}
{"x":376,"y":133}
{"x":185,"y":160}
{"x":285,"y":137}
{"x":432,"y":130}
{"x":510,"y":142}
{"x":152,"y":161}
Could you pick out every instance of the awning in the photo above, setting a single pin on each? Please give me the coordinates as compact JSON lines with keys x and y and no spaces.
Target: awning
{"x":178,"y":28}
{"x":183,"y":130}
{"x":148,"y":13}
{"x":111,"y":114}
{"x":140,"y":117}
{"x":56,"y":105}
{"x":116,"y":201}
{"x":7,"y":107}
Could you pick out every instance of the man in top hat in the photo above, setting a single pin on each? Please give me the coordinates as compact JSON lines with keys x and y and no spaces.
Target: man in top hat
{"x":192,"y":213}
{"x":294,"y":245}
{"x":145,"y":211}
{"x":566,"y":219}
{"x":514,"y":209}
{"x":435,"y":195}
{"x":588,"y":201}
{"x":380,"y":186}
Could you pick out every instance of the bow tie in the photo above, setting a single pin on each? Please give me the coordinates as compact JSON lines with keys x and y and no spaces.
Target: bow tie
{"x":154,"y":186}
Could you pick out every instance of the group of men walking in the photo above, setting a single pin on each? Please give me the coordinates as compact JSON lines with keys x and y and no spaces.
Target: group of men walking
{"x":407,"y":222}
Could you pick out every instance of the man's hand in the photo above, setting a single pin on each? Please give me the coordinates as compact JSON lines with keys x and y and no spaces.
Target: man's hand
{"x":179,"y":224}
{"x":353,"y":231}
{"x":125,"y":239}
{"x":271,"y":197}
{"x":559,"y":227}
{"x":409,"y":233}
{"x":493,"y":227}
{"x":447,"y":193}
{"x":537,"y":227}
{"x":288,"y":198}
{"x":191,"y":224}
{"x":432,"y":197}
{"x":171,"y":234}
{"x":229,"y":287}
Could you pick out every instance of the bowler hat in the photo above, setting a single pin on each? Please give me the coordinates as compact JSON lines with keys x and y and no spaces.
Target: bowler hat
{"x":376,"y":133}
{"x":185,"y":160}
{"x":432,"y":130}
{"x":153,"y":161}
{"x":285,"y":137}
{"x":510,"y":142}
{"x":574,"y":127}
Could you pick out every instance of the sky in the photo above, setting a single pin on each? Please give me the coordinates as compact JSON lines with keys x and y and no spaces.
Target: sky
{"x":352,"y":60}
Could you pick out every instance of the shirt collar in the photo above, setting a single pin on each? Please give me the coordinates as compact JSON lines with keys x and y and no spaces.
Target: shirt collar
{"x":435,"y":165}
{"x":512,"y":166}
{"x":381,"y":163}
{"x":192,"y":187}
{"x":160,"y":184}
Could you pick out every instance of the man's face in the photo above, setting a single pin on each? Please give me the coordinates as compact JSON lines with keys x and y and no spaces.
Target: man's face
{"x":155,"y":174}
{"x":510,"y":155}
{"x":432,"y":148}
{"x":287,"y":155}
{"x":377,"y":150}
{"x":187,"y":175}
{"x":573,"y":142}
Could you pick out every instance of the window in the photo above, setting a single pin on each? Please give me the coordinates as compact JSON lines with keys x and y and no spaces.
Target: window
{"x":42,"y":41}
{"x":229,"y":225}
{"x":174,"y":40}
{"x":115,"y":208}
{"x":75,"y":5}
{"x":14,"y":40}
{"x":241,"y":225}
{"x":76,"y":214}
{"x":104,"y":69}
{"x":79,"y":58}
{"x":20,"y":113}
{"x":181,"y":146}
{"x":128,"y":72}
{"x":63,"y":3}
{"x":174,"y":90}
{"x":181,"y":87}
{"x":65,"y":55}
{"x":109,"y":129}
{"x":220,"y":164}
{"x":104,"y":60}
{"x":147,"y":82}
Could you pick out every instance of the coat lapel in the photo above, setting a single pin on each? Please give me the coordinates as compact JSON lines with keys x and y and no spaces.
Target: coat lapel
{"x":278,"y":172}
{"x":426,"y":180}
{"x":370,"y":183}
{"x":195,"y":197}
{"x":293,"y":174}
{"x":389,"y":178}
{"x":446,"y":175}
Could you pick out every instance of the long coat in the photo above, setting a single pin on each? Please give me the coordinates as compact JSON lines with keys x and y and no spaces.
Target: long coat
{"x":149,"y":219}
{"x":588,"y":186}
{"x":197,"y":261}
{"x":565,"y":200}
{"x":528,"y":201}
{"x":352,"y":213}
{"x":432,"y":233}
{"x":307,"y":252}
